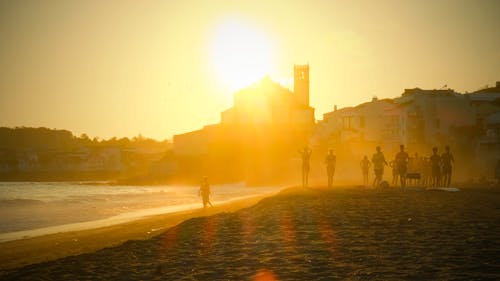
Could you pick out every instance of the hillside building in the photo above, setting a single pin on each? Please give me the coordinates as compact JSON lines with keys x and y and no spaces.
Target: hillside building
{"x":418,"y":119}
{"x":256,"y":136}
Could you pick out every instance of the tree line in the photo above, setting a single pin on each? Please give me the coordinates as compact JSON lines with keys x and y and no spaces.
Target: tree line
{"x":22,"y":138}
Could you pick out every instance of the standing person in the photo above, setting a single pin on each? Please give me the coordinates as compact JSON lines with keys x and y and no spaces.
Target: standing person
{"x":205,"y":192}
{"x":435,"y":163}
{"x":417,"y":168}
{"x":402,"y":159}
{"x":394,"y":170}
{"x":446,"y":159}
{"x":378,"y":160}
{"x":306,"y":156}
{"x":330,"y":161}
{"x":426,"y":171}
{"x":497,"y":172}
{"x":365,"y":167}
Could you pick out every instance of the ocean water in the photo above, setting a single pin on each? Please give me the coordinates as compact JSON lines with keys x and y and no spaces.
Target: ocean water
{"x":34,"y":208}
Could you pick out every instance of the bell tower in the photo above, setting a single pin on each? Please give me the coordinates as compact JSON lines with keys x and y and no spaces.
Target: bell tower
{"x":301,"y":83}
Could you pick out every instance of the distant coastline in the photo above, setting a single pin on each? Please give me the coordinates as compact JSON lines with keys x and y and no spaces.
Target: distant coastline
{"x":99,"y":176}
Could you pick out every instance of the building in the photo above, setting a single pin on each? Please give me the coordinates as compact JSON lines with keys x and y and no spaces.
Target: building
{"x":375,"y":123}
{"x":256,"y":136}
{"x":487,"y":105}
{"x":488,"y":146}
{"x":486,"y":102}
{"x":419,"y":119}
{"x":267,"y":103}
{"x":431,"y":117}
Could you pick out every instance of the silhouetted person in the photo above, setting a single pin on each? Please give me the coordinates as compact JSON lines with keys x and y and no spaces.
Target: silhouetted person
{"x":415,"y":166}
{"x":435,"y":162}
{"x":306,"y":156}
{"x":426,"y":171}
{"x":394,"y":170}
{"x":447,"y":158}
{"x":365,"y":167}
{"x":497,"y":172}
{"x":378,"y":160}
{"x":205,"y":192}
{"x":401,"y":163}
{"x":330,"y":162}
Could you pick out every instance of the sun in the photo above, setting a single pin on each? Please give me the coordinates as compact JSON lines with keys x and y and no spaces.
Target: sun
{"x":241,"y":54}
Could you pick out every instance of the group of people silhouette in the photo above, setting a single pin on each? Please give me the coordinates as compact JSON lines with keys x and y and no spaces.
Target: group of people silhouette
{"x":330,"y":161}
{"x":432,"y":171}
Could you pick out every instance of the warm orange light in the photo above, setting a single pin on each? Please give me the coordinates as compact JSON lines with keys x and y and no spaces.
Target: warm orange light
{"x":265,"y":275}
{"x":241,"y":54}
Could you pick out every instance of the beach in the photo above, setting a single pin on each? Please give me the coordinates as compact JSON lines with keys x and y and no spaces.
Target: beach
{"x":31,"y":209}
{"x":344,"y":233}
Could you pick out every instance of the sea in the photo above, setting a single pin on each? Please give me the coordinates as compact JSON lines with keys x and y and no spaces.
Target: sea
{"x":29,"y":209}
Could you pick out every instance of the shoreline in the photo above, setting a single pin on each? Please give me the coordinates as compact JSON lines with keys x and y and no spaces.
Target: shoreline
{"x":51,"y":246}
{"x":109,"y":221}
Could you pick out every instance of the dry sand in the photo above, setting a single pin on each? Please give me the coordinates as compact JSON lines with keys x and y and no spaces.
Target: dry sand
{"x":302,"y":234}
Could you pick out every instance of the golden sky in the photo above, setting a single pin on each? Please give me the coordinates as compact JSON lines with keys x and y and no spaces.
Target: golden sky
{"x":158,"y":68}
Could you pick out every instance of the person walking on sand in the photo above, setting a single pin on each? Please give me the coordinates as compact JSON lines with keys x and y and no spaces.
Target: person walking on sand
{"x":365,"y":167}
{"x":205,"y":193}
{"x":402,"y":164}
{"x":447,"y":158}
{"x":330,"y":161}
{"x":435,"y":162}
{"x":378,"y":160}
{"x":306,"y":156}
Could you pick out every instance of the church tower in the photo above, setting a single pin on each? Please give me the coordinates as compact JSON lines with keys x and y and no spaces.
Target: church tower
{"x":301,"y":83}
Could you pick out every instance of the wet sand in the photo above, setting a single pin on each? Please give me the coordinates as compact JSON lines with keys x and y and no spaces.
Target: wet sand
{"x":303,"y":234}
{"x":18,"y":253}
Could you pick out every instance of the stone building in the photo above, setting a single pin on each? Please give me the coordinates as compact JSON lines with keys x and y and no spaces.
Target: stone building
{"x":256,"y":137}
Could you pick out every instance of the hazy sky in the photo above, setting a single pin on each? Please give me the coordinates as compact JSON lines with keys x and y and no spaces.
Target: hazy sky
{"x":158,"y":68}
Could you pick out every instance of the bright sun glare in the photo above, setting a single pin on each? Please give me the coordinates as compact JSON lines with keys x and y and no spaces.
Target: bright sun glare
{"x":241,"y":54}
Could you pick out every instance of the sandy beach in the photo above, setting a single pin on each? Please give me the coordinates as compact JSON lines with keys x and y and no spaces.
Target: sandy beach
{"x":300,"y":234}
{"x":18,"y":253}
